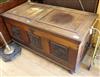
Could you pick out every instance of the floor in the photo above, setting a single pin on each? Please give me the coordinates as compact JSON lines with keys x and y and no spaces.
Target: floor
{"x":31,"y":65}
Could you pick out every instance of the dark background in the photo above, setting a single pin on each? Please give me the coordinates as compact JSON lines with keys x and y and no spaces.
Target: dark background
{"x":89,"y":5}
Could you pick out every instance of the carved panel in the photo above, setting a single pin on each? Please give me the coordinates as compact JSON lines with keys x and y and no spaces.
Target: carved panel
{"x":16,"y":32}
{"x":59,"y":51}
{"x":35,"y":41}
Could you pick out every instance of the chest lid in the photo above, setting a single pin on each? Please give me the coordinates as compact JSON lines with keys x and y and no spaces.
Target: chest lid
{"x":77,"y":22}
{"x":29,"y":11}
{"x":66,"y":22}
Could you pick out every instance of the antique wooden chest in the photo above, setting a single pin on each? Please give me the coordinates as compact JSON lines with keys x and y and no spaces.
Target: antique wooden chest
{"x":55,"y":33}
{"x":4,"y":6}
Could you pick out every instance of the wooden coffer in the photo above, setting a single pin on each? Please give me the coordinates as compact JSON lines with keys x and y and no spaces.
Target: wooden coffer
{"x":59,"y":34}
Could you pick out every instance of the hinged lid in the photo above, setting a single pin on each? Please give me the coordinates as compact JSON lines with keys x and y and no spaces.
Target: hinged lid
{"x":30,"y":11}
{"x":66,"y":22}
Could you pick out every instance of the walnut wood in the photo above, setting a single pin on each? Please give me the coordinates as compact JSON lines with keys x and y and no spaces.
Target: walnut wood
{"x":10,"y":4}
{"x":35,"y":21}
{"x":45,"y":45}
{"x":4,"y":31}
{"x":4,"y":7}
